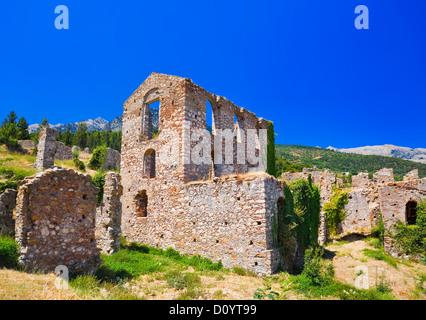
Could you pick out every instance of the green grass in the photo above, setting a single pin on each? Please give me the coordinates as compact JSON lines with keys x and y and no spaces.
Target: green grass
{"x":134,"y":260}
{"x":381,"y":256}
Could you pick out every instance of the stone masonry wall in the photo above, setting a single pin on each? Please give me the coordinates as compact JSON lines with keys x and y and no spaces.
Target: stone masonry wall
{"x":229,"y":219}
{"x":63,"y":152}
{"x":160,"y":177}
{"x":55,"y":222}
{"x":7,"y":204}
{"x":108,"y":215}
{"x":46,"y":148}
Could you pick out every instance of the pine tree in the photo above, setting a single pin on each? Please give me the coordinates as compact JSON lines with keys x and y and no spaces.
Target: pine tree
{"x":9,"y":128}
{"x":23,"y":133}
{"x":80,"y":137}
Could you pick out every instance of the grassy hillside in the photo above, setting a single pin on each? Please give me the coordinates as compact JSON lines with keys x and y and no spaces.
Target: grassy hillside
{"x":340,"y":162}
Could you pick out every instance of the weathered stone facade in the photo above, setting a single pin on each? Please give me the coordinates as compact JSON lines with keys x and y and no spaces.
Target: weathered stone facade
{"x":55,"y":222}
{"x":367,"y":199}
{"x":108,"y":215}
{"x":7,"y":204}
{"x":46,"y":148}
{"x":195,"y":208}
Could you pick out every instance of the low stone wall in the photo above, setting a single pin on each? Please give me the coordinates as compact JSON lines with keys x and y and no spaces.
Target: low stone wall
{"x":108,"y":215}
{"x":55,"y":222}
{"x":7,"y":204}
{"x":63,"y":152}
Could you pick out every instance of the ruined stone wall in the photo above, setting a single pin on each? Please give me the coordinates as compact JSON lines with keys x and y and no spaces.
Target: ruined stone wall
{"x":395,"y":196}
{"x":46,"y":148}
{"x":63,"y":152}
{"x":362,"y":212}
{"x":158,"y":174}
{"x":108,"y":215}
{"x":55,"y":221}
{"x":7,"y":204}
{"x":229,"y":219}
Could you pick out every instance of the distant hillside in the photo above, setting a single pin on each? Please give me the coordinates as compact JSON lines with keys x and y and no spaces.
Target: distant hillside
{"x":417,"y":154}
{"x":98,"y":124}
{"x":346,"y":162}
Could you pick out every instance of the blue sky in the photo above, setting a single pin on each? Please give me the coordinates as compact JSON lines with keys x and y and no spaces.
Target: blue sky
{"x":301,"y":64}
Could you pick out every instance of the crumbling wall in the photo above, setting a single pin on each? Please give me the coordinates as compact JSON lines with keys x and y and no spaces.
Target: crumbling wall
{"x":108,"y":215}
{"x":7,"y":204}
{"x":46,"y":148}
{"x":158,"y":173}
{"x":395,"y":196}
{"x":63,"y":152}
{"x":383,"y":176}
{"x":229,"y":219}
{"x":55,"y":222}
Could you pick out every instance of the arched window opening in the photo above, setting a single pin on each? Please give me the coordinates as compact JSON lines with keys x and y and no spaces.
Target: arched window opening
{"x":411,"y":212}
{"x":154,"y":109}
{"x":149,"y":164}
{"x":209,"y":117}
{"x":141,"y":204}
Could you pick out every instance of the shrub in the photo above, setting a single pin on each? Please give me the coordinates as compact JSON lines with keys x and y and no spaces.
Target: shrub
{"x":9,"y":252}
{"x":412,"y":238}
{"x":335,"y":210}
{"x":8,"y":185}
{"x":99,"y":181}
{"x":379,"y":230}
{"x":98,"y":158}
{"x":79,"y":164}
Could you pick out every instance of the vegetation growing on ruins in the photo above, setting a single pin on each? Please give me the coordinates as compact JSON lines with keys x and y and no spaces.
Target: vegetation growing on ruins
{"x":270,"y":151}
{"x":412,"y":238}
{"x":335,"y":209}
{"x":297,"y":220}
{"x":339,"y":162}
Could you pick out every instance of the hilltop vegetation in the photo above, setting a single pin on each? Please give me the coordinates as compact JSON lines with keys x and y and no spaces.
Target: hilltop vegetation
{"x":296,"y":157}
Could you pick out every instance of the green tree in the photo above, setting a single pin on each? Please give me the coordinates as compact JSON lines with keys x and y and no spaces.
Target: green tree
{"x":80,"y":136}
{"x":9,"y":128}
{"x":23,"y":133}
{"x":67,"y":137}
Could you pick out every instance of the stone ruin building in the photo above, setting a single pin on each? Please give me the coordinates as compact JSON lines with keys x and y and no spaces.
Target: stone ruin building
{"x":108,"y":215}
{"x":55,"y":222}
{"x":367,"y":198}
{"x":48,"y":149}
{"x":218,"y":210}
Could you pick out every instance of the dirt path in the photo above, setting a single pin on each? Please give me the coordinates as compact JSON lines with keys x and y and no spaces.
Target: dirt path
{"x":347,"y":258}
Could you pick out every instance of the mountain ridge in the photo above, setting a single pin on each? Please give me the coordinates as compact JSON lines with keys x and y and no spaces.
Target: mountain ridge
{"x":98,"y":124}
{"x":388,"y":150}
